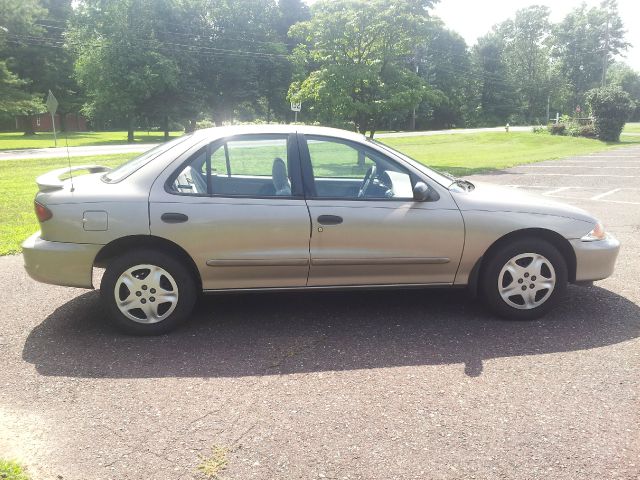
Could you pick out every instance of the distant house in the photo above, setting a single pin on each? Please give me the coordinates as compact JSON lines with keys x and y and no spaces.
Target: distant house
{"x":41,"y":122}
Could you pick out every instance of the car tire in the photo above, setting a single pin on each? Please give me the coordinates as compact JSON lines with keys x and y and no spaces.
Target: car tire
{"x":148,"y":292}
{"x":524,"y":279}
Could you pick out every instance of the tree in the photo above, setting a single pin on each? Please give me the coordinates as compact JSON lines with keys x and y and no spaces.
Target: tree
{"x":497,"y":95}
{"x":358,"y":54}
{"x":13,"y":98}
{"x":526,"y":57}
{"x":627,"y":79}
{"x":244,"y":66}
{"x":444,"y":63}
{"x":584,"y":43}
{"x":610,"y":108}
{"x":120,"y":61}
{"x":18,"y":93}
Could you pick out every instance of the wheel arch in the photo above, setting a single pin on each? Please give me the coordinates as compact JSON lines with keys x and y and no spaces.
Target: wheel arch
{"x":123,"y":244}
{"x":554,"y":238}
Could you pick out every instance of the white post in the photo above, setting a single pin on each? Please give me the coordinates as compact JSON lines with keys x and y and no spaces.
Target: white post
{"x":53,"y":124}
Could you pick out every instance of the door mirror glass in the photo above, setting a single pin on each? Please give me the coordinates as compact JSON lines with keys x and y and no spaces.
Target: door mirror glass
{"x":421,"y":192}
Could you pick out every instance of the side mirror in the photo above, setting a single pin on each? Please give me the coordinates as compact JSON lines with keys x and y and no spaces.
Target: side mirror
{"x":421,"y":192}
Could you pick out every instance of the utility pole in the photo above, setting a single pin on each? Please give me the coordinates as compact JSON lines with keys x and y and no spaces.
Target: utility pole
{"x":606,"y":51}
{"x":413,"y":113}
{"x":548,"y":102}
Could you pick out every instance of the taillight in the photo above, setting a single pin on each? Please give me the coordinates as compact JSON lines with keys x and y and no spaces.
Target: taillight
{"x":42,"y":212}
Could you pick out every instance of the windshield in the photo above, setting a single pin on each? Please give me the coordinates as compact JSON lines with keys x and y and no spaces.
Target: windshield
{"x":126,"y":169}
{"x":444,"y":179}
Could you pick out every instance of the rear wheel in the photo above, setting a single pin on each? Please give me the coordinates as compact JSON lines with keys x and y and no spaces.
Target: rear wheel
{"x":148,"y":292}
{"x":525,"y":279}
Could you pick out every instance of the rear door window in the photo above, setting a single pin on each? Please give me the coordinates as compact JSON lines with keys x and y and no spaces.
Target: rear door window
{"x":251,"y":165}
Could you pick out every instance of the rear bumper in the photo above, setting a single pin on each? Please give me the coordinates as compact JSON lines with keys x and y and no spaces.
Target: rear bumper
{"x":595,"y":260}
{"x":57,"y":263}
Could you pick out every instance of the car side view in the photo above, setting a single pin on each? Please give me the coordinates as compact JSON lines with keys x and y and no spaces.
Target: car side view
{"x":282,"y":207}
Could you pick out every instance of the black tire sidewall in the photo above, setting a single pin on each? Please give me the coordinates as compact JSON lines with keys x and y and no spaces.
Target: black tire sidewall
{"x":180,"y":273}
{"x":496,"y":262}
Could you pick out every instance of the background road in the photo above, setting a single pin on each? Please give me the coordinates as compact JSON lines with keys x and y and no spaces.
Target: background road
{"x":61,"y":152}
{"x":412,"y":385}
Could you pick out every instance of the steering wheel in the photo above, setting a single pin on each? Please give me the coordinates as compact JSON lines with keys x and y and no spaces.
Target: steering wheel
{"x":366,"y":181}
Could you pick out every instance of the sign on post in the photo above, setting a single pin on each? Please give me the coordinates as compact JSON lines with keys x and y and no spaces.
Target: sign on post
{"x":52,"y":106}
{"x":296,"y":107}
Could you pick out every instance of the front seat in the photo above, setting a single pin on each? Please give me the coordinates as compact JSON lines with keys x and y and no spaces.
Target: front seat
{"x":280,"y":179}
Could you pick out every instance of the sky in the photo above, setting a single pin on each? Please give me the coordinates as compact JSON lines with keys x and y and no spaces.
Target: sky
{"x":474,"y":18}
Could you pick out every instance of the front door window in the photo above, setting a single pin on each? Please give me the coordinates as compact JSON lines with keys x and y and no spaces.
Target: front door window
{"x":352,"y":171}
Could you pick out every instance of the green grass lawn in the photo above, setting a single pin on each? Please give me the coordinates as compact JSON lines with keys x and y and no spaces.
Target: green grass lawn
{"x":16,"y":141}
{"x":12,"y":471}
{"x":457,"y":154}
{"x":632,"y":128}
{"x":18,"y":188}
{"x":473,"y":153}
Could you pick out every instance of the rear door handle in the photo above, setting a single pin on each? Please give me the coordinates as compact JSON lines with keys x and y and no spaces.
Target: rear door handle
{"x":174,"y":217}
{"x":329,"y":220}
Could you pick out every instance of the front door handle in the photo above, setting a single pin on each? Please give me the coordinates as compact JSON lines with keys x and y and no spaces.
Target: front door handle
{"x":329,"y":220}
{"x":174,"y":217}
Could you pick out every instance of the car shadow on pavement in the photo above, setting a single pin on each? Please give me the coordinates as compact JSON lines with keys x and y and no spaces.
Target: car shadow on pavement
{"x":273,"y":334}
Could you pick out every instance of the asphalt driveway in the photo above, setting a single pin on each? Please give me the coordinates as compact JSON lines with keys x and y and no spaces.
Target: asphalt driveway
{"x":411,"y":385}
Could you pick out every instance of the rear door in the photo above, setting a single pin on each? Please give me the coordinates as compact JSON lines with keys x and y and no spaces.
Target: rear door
{"x":366,"y":227}
{"x":237,"y":207}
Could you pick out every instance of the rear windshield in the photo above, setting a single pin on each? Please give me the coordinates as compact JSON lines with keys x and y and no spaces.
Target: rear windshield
{"x":126,"y":169}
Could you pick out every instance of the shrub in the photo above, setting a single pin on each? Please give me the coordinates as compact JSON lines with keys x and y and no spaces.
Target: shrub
{"x":587,"y":131}
{"x":206,"y":123}
{"x":539,"y":129}
{"x":557,"y":128}
{"x":611,"y":108}
{"x":573,"y":129}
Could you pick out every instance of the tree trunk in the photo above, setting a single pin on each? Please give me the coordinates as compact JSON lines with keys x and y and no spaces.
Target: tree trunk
{"x":371,"y":133}
{"x":132,"y":122}
{"x":165,"y":124}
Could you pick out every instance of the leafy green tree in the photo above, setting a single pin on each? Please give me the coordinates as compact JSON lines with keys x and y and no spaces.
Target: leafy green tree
{"x":290,"y":12}
{"x":584,"y":43}
{"x":13,"y":98}
{"x":244,"y":63}
{"x":526,"y":56}
{"x":627,"y":79}
{"x":444,"y":63}
{"x":358,"y":55}
{"x":497,"y":99}
{"x":610,"y":108}
{"x":18,"y":93}
{"x":120,"y":59}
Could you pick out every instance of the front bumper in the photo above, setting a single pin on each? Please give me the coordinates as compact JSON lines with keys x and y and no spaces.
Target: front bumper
{"x":57,"y":263}
{"x":595,"y":260}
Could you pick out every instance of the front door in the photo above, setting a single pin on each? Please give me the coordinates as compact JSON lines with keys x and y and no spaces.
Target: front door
{"x":236,"y":207}
{"x":366,"y":227}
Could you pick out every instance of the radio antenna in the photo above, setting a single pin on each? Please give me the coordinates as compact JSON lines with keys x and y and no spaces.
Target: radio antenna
{"x":66,"y":142}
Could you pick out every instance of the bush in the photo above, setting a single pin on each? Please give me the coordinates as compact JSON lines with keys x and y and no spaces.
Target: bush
{"x":611,"y":108}
{"x":557,"y":128}
{"x":206,"y":123}
{"x":587,"y":131}
{"x":539,"y":129}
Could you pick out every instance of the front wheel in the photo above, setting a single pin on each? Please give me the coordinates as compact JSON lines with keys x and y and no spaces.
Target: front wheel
{"x":524,"y":280}
{"x":148,"y":292}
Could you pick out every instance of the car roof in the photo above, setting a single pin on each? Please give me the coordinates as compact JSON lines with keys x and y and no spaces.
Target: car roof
{"x":218,"y":132}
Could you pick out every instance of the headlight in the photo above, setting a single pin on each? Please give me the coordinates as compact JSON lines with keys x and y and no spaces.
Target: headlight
{"x":598,"y":233}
